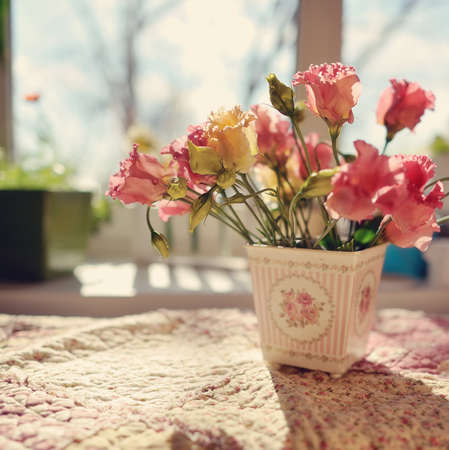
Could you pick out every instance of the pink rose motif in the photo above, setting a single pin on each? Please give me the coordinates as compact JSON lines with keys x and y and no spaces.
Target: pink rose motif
{"x":141,"y":179}
{"x":274,"y":136}
{"x":366,"y":300}
{"x":402,"y":105}
{"x":291,"y":307}
{"x":332,"y":91}
{"x":304,"y":298}
{"x":320,"y":155}
{"x":293,"y":311}
{"x":357,"y":185}
{"x":310,"y":313}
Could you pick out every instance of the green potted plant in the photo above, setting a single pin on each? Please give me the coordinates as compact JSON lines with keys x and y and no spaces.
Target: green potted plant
{"x":46,"y":221}
{"x":314,"y":289}
{"x":45,"y":225}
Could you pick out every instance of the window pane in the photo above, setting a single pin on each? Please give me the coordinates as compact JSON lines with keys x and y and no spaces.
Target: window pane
{"x":104,"y":65}
{"x":404,"y":39}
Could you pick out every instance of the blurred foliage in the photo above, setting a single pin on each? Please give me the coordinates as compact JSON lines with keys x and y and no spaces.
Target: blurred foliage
{"x":52,"y":177}
{"x":440,"y":146}
{"x":101,"y":212}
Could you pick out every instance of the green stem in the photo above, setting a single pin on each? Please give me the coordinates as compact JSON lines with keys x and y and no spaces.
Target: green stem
{"x":217,"y":217}
{"x":281,"y":193}
{"x":268,"y":214}
{"x":264,"y":230}
{"x":306,"y":234}
{"x":304,"y":146}
{"x":148,"y":219}
{"x":270,"y":230}
{"x":387,"y":141}
{"x":334,"y":137}
{"x":328,"y":229}
{"x":443,"y":220}
{"x":436,"y":181}
{"x":380,"y":232}
{"x":237,"y":218}
{"x":326,"y":219}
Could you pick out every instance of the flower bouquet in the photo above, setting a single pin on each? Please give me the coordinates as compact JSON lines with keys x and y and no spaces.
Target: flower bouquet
{"x":314,"y":289}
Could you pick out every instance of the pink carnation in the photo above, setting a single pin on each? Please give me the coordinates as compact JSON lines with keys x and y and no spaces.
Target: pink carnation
{"x":395,"y":187}
{"x":357,"y":185}
{"x":332,"y":91}
{"x":141,"y":178}
{"x":411,"y":209}
{"x":274,"y":136}
{"x":402,"y":105}
{"x":418,"y":236}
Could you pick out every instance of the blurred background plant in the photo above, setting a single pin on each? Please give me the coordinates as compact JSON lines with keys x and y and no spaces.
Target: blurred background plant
{"x":39,"y":168}
{"x":440,"y":146}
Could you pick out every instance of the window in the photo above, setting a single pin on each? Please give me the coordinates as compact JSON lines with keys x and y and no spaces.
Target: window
{"x":405,"y":39}
{"x":109,"y":69}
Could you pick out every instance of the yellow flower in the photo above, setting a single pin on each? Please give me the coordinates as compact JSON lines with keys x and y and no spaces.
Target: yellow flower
{"x":143,"y":137}
{"x":232,"y":134}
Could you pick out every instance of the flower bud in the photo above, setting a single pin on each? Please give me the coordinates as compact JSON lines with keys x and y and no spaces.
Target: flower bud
{"x":160,"y":243}
{"x":281,"y":96}
{"x":299,"y":114}
{"x":226,"y":179}
{"x":200,"y":209}
{"x":177,"y":188}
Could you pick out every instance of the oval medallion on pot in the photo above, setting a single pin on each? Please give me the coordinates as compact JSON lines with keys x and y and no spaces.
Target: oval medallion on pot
{"x":301,"y":307}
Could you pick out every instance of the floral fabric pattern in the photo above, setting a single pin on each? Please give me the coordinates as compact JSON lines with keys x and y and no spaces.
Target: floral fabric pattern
{"x":196,"y":380}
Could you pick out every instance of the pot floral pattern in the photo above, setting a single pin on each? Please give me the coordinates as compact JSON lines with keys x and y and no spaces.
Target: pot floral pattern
{"x":299,"y":308}
{"x":365,"y":301}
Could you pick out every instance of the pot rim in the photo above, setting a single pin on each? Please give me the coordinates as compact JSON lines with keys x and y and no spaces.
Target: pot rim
{"x":279,"y":247}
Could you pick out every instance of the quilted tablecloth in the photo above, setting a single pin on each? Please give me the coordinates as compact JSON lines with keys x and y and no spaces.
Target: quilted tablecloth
{"x":196,"y":380}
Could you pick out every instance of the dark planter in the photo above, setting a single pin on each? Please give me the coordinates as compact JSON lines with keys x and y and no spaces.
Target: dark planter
{"x":42,"y":233}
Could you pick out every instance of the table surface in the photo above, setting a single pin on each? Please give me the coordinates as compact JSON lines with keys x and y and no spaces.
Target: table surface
{"x":196,"y":380}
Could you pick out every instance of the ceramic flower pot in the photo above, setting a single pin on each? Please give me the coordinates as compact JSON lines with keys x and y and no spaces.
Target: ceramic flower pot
{"x":315,"y":308}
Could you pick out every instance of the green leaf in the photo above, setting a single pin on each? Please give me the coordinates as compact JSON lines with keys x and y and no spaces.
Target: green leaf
{"x":327,"y":242}
{"x":236,"y":198}
{"x":226,"y":179}
{"x":364,"y":236}
{"x":177,"y":188}
{"x":204,"y":160}
{"x":318,"y":184}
